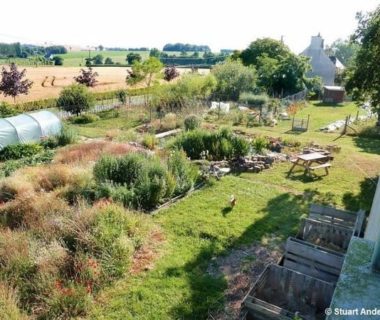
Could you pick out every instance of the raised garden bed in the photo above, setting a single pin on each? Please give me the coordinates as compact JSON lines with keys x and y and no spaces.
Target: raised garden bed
{"x":281,"y":293}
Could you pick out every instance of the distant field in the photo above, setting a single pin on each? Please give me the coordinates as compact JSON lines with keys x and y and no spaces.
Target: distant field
{"x":77,"y":58}
{"x":110,"y":78}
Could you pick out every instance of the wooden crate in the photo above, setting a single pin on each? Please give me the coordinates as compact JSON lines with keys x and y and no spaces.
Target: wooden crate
{"x":327,"y":235}
{"x":349,"y":219}
{"x":280,"y":292}
{"x":312,"y":260}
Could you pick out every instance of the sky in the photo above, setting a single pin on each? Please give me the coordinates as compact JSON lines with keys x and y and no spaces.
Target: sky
{"x":222,"y":24}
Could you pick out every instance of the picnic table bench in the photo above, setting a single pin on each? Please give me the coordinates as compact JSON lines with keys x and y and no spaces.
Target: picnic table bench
{"x":311,"y":162}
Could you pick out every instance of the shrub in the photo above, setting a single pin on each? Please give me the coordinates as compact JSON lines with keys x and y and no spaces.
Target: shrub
{"x":125,"y":170}
{"x":149,"y":141}
{"x":183,"y":172}
{"x":85,"y":118}
{"x":218,"y":145}
{"x":18,"y":151}
{"x":260,"y":144}
{"x":253,"y":100}
{"x":66,"y":136}
{"x":192,"y":122}
{"x":75,"y":98}
{"x":148,"y":181}
{"x":12,"y":165}
{"x":7,"y":110}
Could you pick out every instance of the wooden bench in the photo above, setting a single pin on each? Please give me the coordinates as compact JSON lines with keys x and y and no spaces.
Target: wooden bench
{"x":325,"y":165}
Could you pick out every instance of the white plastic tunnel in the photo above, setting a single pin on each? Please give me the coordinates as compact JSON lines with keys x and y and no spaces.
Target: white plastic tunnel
{"x":30,"y":127}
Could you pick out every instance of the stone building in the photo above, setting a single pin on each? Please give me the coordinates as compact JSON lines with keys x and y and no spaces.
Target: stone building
{"x":321,"y":63}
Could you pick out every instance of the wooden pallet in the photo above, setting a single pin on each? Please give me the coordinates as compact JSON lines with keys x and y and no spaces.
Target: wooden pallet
{"x":312,"y":260}
{"x":280,"y":292}
{"x":335,"y":216}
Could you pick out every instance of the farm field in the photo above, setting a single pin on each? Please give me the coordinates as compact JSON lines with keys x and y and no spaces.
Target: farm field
{"x":110,"y":78}
{"x":77,"y":58}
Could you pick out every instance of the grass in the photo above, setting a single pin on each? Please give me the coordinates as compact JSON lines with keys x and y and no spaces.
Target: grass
{"x":126,"y":119}
{"x":198,"y":229}
{"x":202,"y":226}
{"x":77,"y":58}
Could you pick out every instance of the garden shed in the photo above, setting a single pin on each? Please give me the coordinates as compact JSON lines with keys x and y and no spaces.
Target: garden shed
{"x":333,"y":94}
{"x":28,"y":127}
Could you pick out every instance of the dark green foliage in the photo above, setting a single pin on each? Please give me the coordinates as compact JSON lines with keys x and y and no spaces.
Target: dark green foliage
{"x":363,"y":77}
{"x":185,"y":47}
{"x":75,"y":99}
{"x":18,"y":151}
{"x":218,"y":145}
{"x":7,"y":110}
{"x":273,"y":49}
{"x":133,"y":57}
{"x":108,"y":61}
{"x":85,"y":118}
{"x":11,"y":166}
{"x":192,"y":122}
{"x":58,"y":61}
{"x":98,"y":59}
{"x":122,"y":96}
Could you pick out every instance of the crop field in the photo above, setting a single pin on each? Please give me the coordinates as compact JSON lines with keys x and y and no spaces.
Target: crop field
{"x":109,"y":79}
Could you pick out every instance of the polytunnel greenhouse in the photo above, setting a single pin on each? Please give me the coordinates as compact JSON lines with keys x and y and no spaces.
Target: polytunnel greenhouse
{"x":28,"y":127}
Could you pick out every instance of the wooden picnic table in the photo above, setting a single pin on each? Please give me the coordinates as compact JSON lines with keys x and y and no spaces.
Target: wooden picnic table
{"x":307,"y":160}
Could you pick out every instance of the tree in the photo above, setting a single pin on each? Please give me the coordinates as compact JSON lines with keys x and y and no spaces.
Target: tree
{"x":87,"y":77}
{"x":58,"y":61}
{"x":344,"y":50}
{"x":144,"y":71}
{"x":11,"y":83}
{"x":363,"y":77}
{"x":98,"y":59}
{"x":108,"y":61}
{"x":233,"y":78}
{"x":132,"y":57}
{"x":272,"y":48}
{"x":100,"y":48}
{"x":75,"y":98}
{"x":170,"y":73}
{"x":154,"y":53}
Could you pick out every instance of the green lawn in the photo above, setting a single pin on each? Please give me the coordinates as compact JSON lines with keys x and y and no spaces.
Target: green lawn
{"x":126,"y":120}
{"x":269,"y":205}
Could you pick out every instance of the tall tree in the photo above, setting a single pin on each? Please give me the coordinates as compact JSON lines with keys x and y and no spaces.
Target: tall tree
{"x":154,"y":53}
{"x":232,"y":79}
{"x":364,"y":76}
{"x":271,"y":48}
{"x":12,"y":83}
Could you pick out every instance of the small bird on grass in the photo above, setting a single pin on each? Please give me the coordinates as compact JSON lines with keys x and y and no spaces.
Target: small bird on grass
{"x":232,"y":201}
